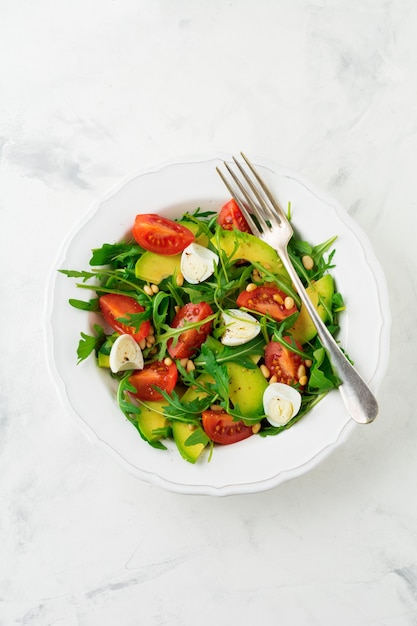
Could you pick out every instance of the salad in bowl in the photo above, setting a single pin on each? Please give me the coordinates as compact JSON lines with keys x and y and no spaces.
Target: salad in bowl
{"x":202,"y":332}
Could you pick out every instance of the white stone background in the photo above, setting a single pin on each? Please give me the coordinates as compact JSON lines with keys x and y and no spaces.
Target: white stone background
{"x":94,"y":91}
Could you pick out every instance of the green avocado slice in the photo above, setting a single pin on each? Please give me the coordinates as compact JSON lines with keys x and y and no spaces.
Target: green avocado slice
{"x":154,"y":267}
{"x":181,"y":432}
{"x":321,"y":291}
{"x":243,"y":246}
{"x":150,"y":419}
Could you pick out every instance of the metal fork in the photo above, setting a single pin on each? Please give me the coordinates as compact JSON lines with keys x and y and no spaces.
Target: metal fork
{"x":270,"y":223}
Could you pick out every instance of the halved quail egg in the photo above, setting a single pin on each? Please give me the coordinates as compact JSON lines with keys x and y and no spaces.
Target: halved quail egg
{"x":198,"y":263}
{"x":281,"y":403}
{"x":125,"y":355}
{"x":241,"y":327}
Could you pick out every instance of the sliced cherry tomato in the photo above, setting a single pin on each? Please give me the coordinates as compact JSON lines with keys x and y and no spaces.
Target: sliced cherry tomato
{"x":158,"y":374}
{"x":282,"y":362}
{"x":231,"y":217}
{"x":115,"y":306}
{"x":266,"y":299}
{"x":161,"y":235}
{"x":190,"y":340}
{"x":221,"y":427}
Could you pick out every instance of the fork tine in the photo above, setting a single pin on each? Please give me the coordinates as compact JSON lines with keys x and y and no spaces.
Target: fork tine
{"x":234,"y":193}
{"x":242,"y":198}
{"x":280,"y":213}
{"x":254,"y":202}
{"x":262,"y":209}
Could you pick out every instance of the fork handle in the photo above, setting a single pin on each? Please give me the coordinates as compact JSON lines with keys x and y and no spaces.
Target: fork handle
{"x":357,"y":397}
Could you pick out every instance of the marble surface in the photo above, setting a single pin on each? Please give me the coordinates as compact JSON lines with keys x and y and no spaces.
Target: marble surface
{"x":92,"y":92}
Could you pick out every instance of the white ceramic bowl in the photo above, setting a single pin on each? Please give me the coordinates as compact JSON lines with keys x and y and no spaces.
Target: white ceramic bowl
{"x":257,"y":463}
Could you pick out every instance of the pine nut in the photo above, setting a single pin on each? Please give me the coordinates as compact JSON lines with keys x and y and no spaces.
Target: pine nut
{"x":251,"y":287}
{"x":301,"y":372}
{"x":288,"y":303}
{"x":265,"y":371}
{"x":308,"y":363}
{"x":277,"y":298}
{"x":168,"y":361}
{"x":177,"y":308}
{"x":142,"y":344}
{"x":148,"y":290}
{"x":256,"y":275}
{"x":154,"y":288}
{"x":273,"y":379}
{"x":151,"y":331}
{"x":179,"y":280}
{"x":190,"y":366}
{"x":256,"y":428}
{"x":216,"y":408}
{"x":308,"y":262}
{"x":303,"y":381}
{"x":183,"y":362}
{"x":150,"y":339}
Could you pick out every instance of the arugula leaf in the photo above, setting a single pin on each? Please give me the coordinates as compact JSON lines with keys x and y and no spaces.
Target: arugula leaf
{"x":124,"y":400}
{"x":160,"y":308}
{"x":201,"y":215}
{"x":162,"y":433}
{"x":188,"y":412}
{"x":240,"y":354}
{"x":301,"y":271}
{"x":155,"y":443}
{"x":316,"y":252}
{"x":202,"y":219}
{"x":298,"y":248}
{"x":338,"y":304}
{"x":89,"y":343}
{"x":319,"y":250}
{"x":91,"y":305}
{"x":117,"y":253}
{"x":76,"y":274}
{"x":218,"y":373}
{"x":107,"y":345}
{"x":322,"y":376}
{"x":135,"y":319}
{"x":202,"y":292}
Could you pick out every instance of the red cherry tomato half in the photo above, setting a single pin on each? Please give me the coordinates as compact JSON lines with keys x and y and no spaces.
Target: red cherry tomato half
{"x":221,"y":428}
{"x":158,"y":374}
{"x":231,"y":217}
{"x":282,"y":362}
{"x":161,"y":235}
{"x":266,"y":299}
{"x":114,"y":306}
{"x":190,"y":340}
